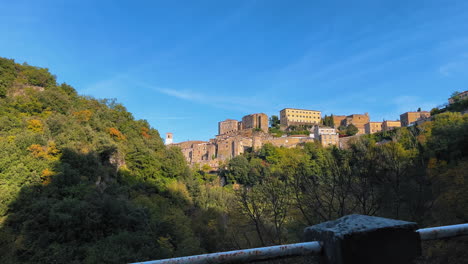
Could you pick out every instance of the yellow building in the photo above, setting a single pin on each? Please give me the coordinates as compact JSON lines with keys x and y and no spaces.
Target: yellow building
{"x":294,"y":117}
{"x":410,"y":118}
{"x":373,"y":127}
{"x":390,"y":125}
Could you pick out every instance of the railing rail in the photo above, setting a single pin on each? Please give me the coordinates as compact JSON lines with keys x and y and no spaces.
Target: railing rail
{"x":443,"y":232}
{"x":291,"y":250}
{"x":247,"y":255}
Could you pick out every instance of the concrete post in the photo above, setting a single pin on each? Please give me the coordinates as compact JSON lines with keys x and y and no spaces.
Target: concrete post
{"x":366,"y":240}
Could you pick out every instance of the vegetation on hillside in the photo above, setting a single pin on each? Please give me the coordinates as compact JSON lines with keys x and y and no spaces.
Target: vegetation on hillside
{"x":82,"y":181}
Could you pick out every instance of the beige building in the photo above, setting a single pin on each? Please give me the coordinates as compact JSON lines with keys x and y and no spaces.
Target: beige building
{"x":293,"y":116}
{"x":357,"y":120}
{"x":373,"y":127}
{"x":228,"y":126}
{"x":329,"y":140}
{"x":409,"y":118}
{"x":390,"y":125}
{"x":326,"y":135}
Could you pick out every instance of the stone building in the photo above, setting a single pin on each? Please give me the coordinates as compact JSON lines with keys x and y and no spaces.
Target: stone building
{"x":357,"y":120}
{"x":326,"y":135}
{"x":329,"y":140}
{"x":390,"y":125}
{"x":255,"y":121}
{"x":228,"y":126}
{"x":338,"y":120}
{"x":293,"y":116}
{"x":373,"y":127}
{"x":409,"y":118}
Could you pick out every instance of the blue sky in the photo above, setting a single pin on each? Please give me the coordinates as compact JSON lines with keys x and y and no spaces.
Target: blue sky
{"x":185,"y":65}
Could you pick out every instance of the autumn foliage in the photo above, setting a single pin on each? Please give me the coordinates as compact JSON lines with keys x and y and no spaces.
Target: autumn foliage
{"x":116,"y":134}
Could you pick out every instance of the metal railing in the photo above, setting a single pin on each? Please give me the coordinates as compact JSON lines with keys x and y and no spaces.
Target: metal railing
{"x":298,"y":249}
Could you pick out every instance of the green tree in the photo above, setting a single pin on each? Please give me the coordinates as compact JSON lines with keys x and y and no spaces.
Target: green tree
{"x":274,"y":121}
{"x":351,"y":130}
{"x":238,"y":170}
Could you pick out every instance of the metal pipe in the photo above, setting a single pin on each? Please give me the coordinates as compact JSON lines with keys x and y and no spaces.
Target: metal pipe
{"x":443,"y":231}
{"x":246,"y":255}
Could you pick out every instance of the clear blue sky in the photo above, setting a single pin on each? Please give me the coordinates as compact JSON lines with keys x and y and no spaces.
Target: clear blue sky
{"x":185,"y":65}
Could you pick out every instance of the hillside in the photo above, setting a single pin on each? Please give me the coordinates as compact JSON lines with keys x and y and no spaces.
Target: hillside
{"x":82,"y":181}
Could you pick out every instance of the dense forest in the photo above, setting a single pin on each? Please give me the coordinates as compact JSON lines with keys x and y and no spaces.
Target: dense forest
{"x":82,"y":181}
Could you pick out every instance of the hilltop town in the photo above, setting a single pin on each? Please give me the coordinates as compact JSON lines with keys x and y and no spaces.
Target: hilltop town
{"x":293,"y":127}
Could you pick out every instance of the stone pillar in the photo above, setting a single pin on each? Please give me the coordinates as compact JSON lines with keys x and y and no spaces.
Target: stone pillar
{"x":366,"y":240}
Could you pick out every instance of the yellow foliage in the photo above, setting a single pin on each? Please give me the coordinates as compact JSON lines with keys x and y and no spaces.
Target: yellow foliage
{"x":83,"y":116}
{"x":116,"y":134}
{"x":49,"y":152}
{"x":52,"y":151}
{"x":35,"y":125}
{"x":47,"y":176}
{"x":38,"y":151}
{"x":144,"y":132}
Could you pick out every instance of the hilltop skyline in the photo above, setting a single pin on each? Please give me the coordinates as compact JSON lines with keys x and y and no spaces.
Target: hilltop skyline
{"x":185,"y":66}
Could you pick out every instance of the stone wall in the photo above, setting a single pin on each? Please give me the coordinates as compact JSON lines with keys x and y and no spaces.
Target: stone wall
{"x":358,"y":120}
{"x":255,"y":121}
{"x":228,"y":126}
{"x":338,"y":120}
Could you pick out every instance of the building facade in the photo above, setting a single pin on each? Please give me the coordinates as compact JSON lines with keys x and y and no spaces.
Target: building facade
{"x":373,"y":127}
{"x":228,"y":126}
{"x":390,"y":125}
{"x":409,"y":118}
{"x":329,"y":140}
{"x":255,"y":121}
{"x":294,"y":117}
{"x":338,"y":120}
{"x":357,"y":120}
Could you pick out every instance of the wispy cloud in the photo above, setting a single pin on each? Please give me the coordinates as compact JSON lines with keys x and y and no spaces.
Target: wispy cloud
{"x":231,"y":102}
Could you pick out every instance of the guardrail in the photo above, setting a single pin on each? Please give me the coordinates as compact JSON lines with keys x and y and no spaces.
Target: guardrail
{"x":365,"y":231}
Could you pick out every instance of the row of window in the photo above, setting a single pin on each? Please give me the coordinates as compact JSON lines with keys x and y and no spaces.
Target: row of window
{"x":302,"y":112}
{"x":315,"y":117}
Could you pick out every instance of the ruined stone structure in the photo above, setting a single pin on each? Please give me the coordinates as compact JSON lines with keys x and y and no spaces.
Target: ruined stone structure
{"x":373,"y":127}
{"x":338,"y":120}
{"x":409,"y":118}
{"x":228,"y":126}
{"x":198,"y":152}
{"x":255,"y":121}
{"x":233,"y":139}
